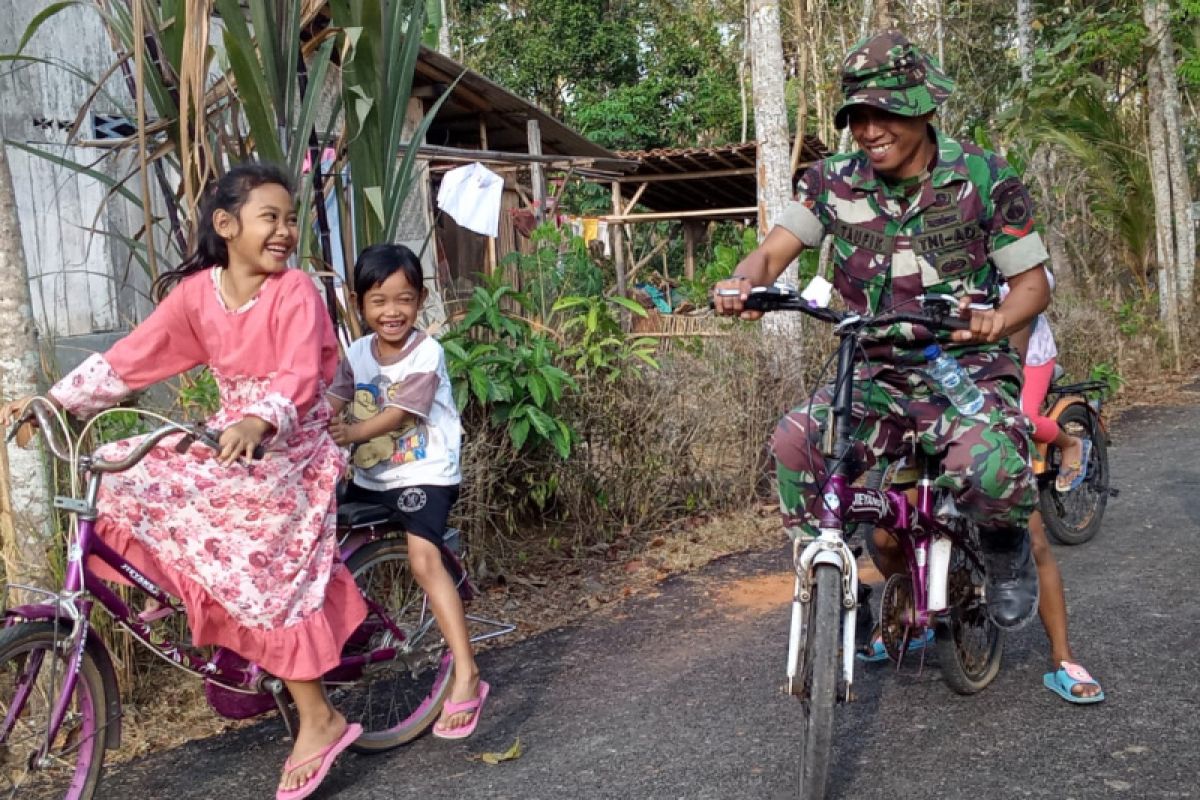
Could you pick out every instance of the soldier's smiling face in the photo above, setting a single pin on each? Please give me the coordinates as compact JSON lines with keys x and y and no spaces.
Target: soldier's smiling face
{"x":898,"y":147}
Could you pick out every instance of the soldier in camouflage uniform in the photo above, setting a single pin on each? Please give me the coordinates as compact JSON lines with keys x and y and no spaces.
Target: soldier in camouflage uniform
{"x":915,"y":212}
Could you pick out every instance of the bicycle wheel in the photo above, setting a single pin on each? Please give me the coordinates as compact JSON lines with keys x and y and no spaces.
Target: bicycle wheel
{"x":1074,"y":517}
{"x":395,"y":701}
{"x":32,"y":666}
{"x":819,"y":674}
{"x":969,"y":645}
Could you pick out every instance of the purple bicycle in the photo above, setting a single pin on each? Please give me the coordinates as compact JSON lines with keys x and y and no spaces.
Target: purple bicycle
{"x":59,"y":698}
{"x":942,"y":590}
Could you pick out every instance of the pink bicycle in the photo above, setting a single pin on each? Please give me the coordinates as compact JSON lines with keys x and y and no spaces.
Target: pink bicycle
{"x":59,"y":698}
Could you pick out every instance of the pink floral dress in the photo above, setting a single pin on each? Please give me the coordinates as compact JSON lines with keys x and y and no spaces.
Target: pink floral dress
{"x":251,"y":552}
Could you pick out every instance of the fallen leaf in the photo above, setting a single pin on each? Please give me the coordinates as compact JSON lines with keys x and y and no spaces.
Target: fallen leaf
{"x":508,"y":755}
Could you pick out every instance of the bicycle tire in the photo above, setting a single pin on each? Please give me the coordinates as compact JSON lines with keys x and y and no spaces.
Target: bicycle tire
{"x":411,"y":690}
{"x":820,"y":673}
{"x":1074,"y":517}
{"x":969,"y":645}
{"x":77,"y":754}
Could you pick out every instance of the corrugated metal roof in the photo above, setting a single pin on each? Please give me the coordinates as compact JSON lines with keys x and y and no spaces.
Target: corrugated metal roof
{"x":702,"y":178}
{"x":505,"y":114}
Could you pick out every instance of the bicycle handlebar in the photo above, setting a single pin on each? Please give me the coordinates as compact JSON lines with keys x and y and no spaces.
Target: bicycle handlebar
{"x":45,"y":416}
{"x":938,"y":308}
{"x":191,"y":433}
{"x":48,"y":424}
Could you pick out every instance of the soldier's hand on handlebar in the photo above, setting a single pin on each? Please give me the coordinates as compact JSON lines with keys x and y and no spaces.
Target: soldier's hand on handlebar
{"x":729,"y":298}
{"x":987,"y":325}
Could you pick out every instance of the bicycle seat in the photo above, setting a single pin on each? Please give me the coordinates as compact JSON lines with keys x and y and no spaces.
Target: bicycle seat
{"x":354,"y":515}
{"x":362,"y":515}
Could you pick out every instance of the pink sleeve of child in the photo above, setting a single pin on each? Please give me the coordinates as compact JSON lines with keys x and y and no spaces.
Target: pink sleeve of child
{"x":164,"y":344}
{"x":303,"y":337}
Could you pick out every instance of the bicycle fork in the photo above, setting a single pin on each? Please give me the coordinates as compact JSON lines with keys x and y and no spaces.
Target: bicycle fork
{"x":830,"y":549}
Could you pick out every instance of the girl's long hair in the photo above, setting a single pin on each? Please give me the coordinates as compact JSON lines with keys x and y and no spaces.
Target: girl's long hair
{"x":228,"y":194}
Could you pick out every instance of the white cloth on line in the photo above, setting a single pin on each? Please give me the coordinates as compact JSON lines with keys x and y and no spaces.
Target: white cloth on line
{"x":471,"y":196}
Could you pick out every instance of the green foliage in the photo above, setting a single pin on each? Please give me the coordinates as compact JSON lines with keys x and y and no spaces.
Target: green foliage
{"x":725,"y":257}
{"x":506,"y":374}
{"x":1077,"y":41}
{"x":1086,"y":124}
{"x":120,"y":425}
{"x":629,"y":74}
{"x":559,"y":265}
{"x":1108,"y":372}
{"x":199,"y":395}
{"x":552,"y":51}
{"x":516,"y":357}
{"x":598,"y":344}
{"x":1134,"y":317}
{"x":278,"y":72}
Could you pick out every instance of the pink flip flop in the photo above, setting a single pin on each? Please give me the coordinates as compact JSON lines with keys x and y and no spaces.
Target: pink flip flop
{"x":327,"y":756}
{"x":450,"y":709}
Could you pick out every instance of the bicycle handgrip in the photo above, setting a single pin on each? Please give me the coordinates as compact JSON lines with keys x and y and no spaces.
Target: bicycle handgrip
{"x":13,"y":428}
{"x":212,"y":438}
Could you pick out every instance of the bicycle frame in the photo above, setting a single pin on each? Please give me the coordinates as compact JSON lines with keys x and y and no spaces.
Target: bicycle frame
{"x":82,"y":589}
{"x":841,"y":503}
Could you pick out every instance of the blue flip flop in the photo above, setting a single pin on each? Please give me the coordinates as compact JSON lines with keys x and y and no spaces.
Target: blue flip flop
{"x":879,"y":653}
{"x":1067,"y":678}
{"x":1080,"y":476}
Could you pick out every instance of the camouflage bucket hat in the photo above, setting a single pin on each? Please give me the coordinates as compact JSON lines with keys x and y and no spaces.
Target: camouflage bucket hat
{"x":889,"y":72}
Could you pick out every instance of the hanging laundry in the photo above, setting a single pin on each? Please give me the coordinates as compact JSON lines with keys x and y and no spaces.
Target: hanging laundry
{"x":471,"y":196}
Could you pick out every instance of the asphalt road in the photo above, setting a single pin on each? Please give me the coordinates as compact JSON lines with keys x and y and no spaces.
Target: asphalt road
{"x":678,"y":696}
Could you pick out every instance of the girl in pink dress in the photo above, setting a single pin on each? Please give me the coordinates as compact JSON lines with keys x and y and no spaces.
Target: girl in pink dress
{"x":250,"y":549}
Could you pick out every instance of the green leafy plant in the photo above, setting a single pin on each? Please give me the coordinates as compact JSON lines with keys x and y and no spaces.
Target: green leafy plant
{"x":198,"y":394}
{"x":559,"y":265}
{"x":725,"y":257}
{"x":597,"y":342}
{"x":505,"y":372}
{"x":1107,"y":372}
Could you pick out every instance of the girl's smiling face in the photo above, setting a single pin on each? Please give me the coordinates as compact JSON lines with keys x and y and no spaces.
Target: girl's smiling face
{"x":390,"y":309}
{"x":263,"y":235}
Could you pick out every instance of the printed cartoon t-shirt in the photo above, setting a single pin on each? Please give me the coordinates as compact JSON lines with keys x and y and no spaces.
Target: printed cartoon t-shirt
{"x":426,"y":453}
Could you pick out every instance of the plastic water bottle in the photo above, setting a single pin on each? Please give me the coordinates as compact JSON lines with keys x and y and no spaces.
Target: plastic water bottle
{"x":951,"y":381}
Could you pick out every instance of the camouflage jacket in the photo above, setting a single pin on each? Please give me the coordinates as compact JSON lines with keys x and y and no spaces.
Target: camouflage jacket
{"x":959,"y":232}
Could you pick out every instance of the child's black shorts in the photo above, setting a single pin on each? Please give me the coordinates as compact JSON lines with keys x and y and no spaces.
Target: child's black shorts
{"x":424,"y":510}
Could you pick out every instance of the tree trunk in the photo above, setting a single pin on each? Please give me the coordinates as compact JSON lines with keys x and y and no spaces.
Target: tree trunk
{"x":767,"y":77}
{"x":770,"y":113}
{"x":1168,"y":248}
{"x":1024,"y":39}
{"x":24,"y":506}
{"x":444,"y":31}
{"x":1177,"y":168}
{"x":1165,"y":247}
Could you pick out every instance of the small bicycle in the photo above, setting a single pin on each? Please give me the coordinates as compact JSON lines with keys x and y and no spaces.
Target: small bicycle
{"x":943,"y":589}
{"x":59,"y":697}
{"x":1074,"y":517}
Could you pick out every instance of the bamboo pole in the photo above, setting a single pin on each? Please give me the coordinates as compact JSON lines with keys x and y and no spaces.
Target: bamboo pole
{"x":618,"y":243}
{"x":659,"y":216}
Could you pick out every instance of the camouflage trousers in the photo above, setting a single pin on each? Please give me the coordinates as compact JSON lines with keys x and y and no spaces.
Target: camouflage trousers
{"x":985,"y":458}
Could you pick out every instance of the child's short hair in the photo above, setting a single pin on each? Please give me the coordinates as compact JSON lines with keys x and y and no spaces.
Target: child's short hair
{"x":379,"y":262}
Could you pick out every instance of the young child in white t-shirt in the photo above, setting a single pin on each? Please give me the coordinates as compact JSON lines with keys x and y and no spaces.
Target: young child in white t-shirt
{"x":401,"y":421}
